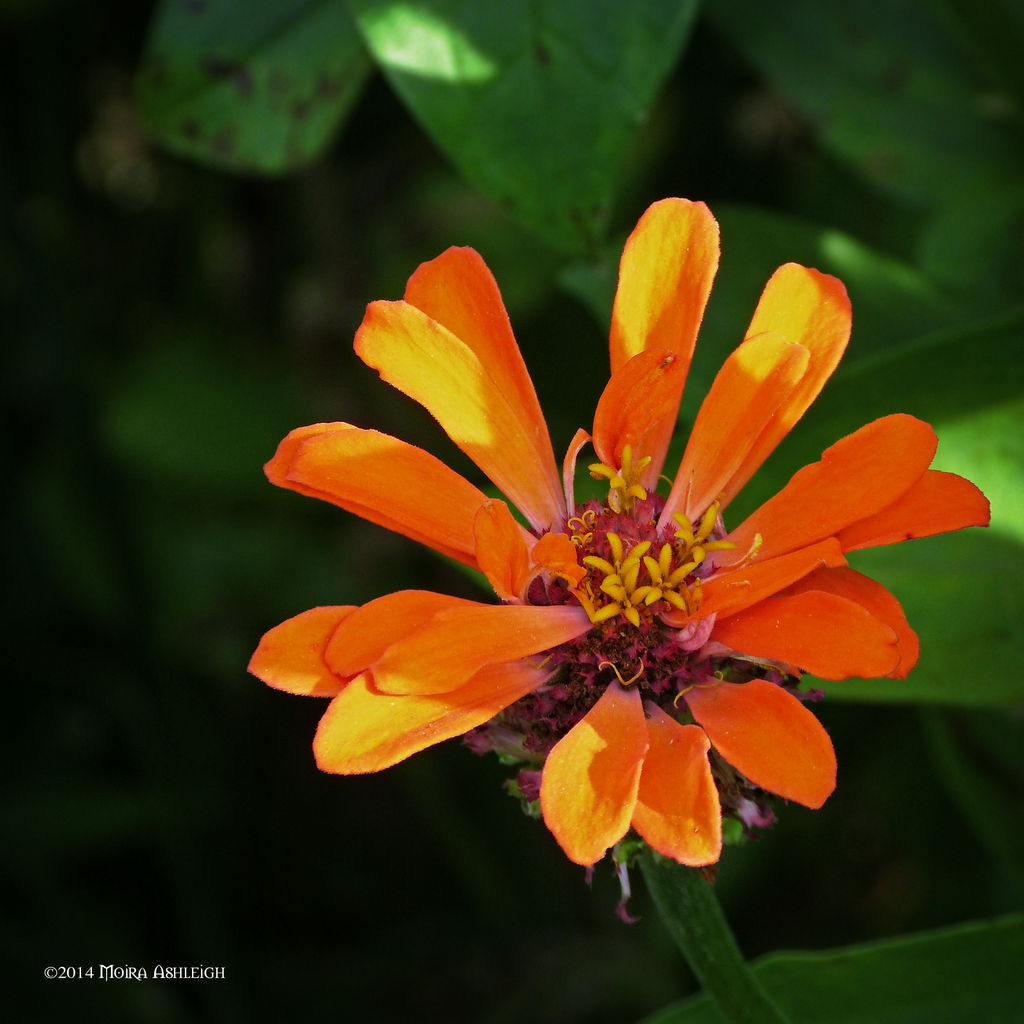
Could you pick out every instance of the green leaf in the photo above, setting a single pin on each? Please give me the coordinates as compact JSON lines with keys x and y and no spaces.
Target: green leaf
{"x":256,"y":87}
{"x":535,"y":101}
{"x":979,"y":757}
{"x":911,"y":98}
{"x":967,"y":973}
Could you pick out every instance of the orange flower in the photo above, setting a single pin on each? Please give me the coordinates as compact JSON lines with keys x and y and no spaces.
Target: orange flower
{"x":643,"y":661}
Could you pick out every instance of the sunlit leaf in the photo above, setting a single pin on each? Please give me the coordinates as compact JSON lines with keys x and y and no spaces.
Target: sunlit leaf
{"x":535,"y":102}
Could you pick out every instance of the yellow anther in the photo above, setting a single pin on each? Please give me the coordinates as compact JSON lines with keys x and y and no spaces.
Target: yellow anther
{"x":615,"y":543}
{"x":586,"y":599}
{"x":665,"y":559}
{"x":655,"y":570}
{"x":599,"y":563}
{"x":630,"y":575}
{"x":680,"y":574}
{"x":618,"y":675}
{"x":676,"y":599}
{"x":719,"y":545}
{"x":685,"y":531}
{"x":609,"y":611}
{"x":707,"y":523}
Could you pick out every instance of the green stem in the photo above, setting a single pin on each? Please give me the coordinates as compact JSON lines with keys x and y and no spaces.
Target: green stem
{"x":691,"y":912}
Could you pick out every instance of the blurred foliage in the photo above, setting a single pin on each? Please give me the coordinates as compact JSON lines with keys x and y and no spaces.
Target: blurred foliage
{"x":172,"y":319}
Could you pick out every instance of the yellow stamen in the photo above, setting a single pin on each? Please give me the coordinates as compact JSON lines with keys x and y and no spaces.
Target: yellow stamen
{"x":719,"y":545}
{"x":707,"y":523}
{"x":609,"y":611}
{"x":693,"y":686}
{"x":665,"y":559}
{"x":618,"y":674}
{"x":582,"y":527}
{"x":685,"y":531}
{"x":654,"y":568}
{"x":615,"y":543}
{"x":624,"y":489}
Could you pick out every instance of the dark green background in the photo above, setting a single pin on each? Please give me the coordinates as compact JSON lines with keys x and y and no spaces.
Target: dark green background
{"x":170,"y":317}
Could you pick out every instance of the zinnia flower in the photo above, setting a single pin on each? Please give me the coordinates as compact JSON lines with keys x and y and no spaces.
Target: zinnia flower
{"x":643,"y":661}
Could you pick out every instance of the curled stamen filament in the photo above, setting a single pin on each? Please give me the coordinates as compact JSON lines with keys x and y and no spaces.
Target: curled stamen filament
{"x":618,"y":674}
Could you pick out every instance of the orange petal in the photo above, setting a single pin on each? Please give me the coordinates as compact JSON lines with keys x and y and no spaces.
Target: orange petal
{"x":751,"y":386}
{"x":370,"y":630}
{"x":665,"y":276}
{"x":827,"y":635}
{"x":638,"y":407}
{"x":366,"y":731}
{"x":458,"y":291}
{"x":857,"y":477}
{"x":869,"y":594}
{"x":677,"y":809}
{"x":446,"y":376}
{"x":937,"y":503}
{"x":769,"y":736}
{"x":290,"y":656}
{"x":730,"y":591}
{"x":501,"y":550}
{"x":591,"y":777}
{"x":384,"y":480}
{"x":813,"y":310}
{"x":458,"y":642}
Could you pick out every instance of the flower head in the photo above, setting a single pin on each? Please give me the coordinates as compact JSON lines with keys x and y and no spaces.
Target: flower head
{"x":642,"y":664}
